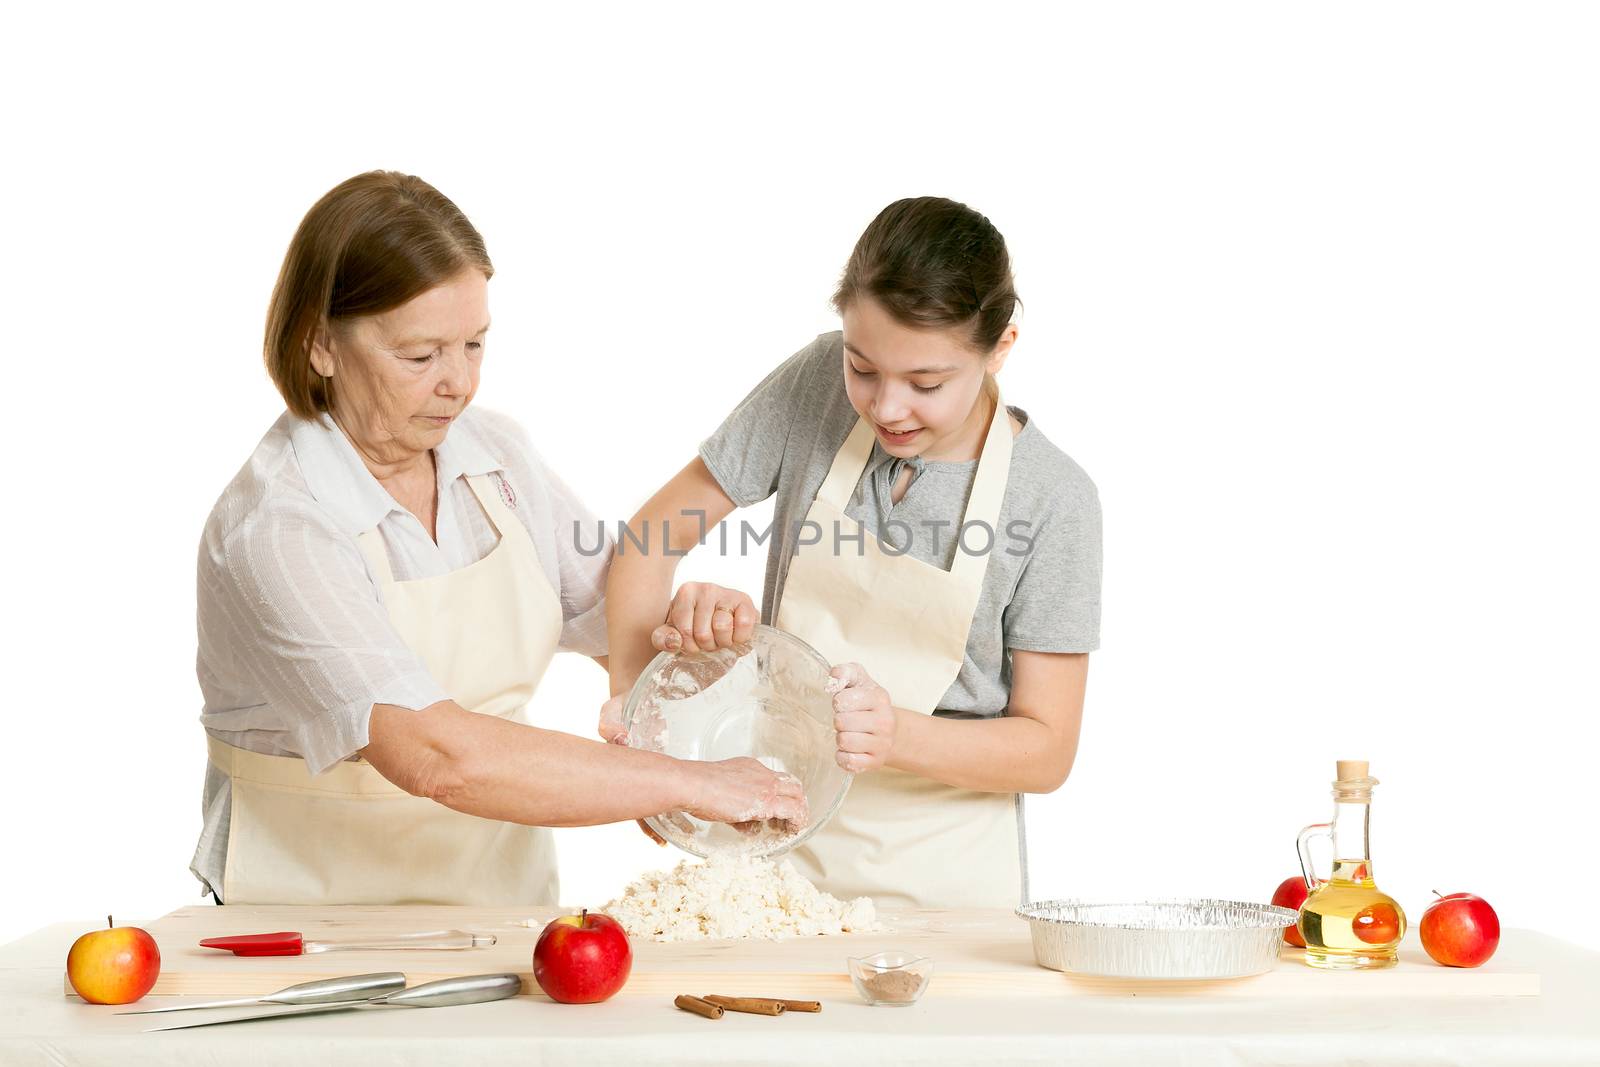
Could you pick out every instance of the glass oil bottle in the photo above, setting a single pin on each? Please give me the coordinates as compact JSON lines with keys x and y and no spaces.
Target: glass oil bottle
{"x":1347,"y":922}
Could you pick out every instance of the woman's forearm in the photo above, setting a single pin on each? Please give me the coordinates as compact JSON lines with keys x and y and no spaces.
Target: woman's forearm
{"x":547,"y":778}
{"x":1010,"y":754}
{"x":496,"y":769}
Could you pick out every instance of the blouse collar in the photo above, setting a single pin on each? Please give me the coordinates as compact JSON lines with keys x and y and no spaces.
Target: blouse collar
{"x":341,"y":483}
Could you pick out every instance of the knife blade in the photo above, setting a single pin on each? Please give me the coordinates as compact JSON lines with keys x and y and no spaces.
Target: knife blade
{"x":323,"y":991}
{"x":467,"y":989}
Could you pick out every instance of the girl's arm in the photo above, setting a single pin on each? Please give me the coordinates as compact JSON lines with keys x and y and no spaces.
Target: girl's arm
{"x":1028,"y":750}
{"x":640,"y":584}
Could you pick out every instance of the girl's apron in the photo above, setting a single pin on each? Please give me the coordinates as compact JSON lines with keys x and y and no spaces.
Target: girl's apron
{"x":899,"y":838}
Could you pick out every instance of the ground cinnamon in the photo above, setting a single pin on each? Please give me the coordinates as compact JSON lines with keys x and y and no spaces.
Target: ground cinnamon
{"x":698,"y":1006}
{"x":895,"y":987}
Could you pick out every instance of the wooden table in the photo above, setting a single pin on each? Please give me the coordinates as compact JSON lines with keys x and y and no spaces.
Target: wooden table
{"x":1005,"y":1009}
{"x":976,"y":953}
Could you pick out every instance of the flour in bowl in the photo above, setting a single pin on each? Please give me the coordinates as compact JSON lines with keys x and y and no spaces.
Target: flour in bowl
{"x":732,"y":896}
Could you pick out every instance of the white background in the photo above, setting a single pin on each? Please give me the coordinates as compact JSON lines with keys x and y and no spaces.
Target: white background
{"x":1310,"y":292}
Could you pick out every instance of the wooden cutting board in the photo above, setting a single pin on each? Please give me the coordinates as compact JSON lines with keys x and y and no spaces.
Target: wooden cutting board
{"x":977,"y":953}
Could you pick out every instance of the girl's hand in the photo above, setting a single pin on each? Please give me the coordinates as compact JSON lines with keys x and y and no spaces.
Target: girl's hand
{"x":611,"y":721}
{"x":703,"y":617}
{"x":864,"y":717}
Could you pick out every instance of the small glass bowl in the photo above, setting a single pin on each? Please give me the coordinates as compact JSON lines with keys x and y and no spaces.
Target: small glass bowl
{"x":893,"y":979}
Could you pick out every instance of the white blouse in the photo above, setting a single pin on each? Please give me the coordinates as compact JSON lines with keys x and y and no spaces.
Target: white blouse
{"x":295,"y":644}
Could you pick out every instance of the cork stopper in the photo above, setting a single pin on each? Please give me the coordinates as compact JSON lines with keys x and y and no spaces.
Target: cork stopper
{"x":1354,"y":784}
{"x":1351,"y":769}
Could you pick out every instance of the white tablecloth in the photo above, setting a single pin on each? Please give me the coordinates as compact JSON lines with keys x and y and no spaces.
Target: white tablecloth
{"x":38,"y":1025}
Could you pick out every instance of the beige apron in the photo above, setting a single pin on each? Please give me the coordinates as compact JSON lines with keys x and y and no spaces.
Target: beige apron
{"x":348,"y":836}
{"x":900,"y":838}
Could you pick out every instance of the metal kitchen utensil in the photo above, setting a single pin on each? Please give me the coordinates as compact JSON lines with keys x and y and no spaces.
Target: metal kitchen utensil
{"x":1157,"y":938}
{"x":447,"y":992}
{"x":766,"y":699}
{"x":293,"y":943}
{"x":322,"y":991}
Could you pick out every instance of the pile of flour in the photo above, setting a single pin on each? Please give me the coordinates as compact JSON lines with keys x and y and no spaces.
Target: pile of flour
{"x":732,"y":896}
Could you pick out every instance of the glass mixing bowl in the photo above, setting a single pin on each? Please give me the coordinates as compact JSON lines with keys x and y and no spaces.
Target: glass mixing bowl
{"x":766,"y":699}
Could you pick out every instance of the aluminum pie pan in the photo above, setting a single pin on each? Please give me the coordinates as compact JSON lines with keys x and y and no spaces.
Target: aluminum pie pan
{"x":1174,"y":939}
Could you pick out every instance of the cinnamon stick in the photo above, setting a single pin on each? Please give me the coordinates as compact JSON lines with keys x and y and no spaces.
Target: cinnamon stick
{"x":801,"y":1005}
{"x":748,"y":1005}
{"x":698,"y":1006}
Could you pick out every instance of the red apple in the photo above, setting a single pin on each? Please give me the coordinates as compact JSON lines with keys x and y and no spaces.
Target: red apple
{"x":117,"y":965}
{"x":1460,"y":930}
{"x":582,"y":959}
{"x":1291,"y":893}
{"x":1377,"y":924}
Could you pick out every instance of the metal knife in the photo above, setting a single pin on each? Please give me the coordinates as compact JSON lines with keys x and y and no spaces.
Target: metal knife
{"x":323,"y":991}
{"x":468,"y":989}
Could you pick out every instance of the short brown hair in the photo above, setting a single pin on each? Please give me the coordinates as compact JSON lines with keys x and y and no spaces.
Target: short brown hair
{"x":370,"y":244}
{"x":931,"y":263}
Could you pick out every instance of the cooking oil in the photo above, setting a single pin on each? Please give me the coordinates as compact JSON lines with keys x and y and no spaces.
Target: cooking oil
{"x":1346,"y":921}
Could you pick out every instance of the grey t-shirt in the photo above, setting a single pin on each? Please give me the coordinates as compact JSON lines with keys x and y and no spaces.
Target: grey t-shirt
{"x":1041,"y":588}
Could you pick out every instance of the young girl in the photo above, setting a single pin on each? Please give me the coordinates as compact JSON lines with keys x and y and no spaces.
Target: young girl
{"x":928,"y":540}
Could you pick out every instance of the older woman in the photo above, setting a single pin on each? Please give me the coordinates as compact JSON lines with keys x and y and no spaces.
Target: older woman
{"x":382,"y":586}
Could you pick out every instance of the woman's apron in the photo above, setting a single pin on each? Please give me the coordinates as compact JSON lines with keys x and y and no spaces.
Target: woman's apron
{"x":349,"y":836}
{"x":900,"y":838}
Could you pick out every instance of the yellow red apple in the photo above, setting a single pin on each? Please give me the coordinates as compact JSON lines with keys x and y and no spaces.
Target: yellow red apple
{"x":582,"y":959}
{"x":1291,"y":893}
{"x":1460,"y":930}
{"x":117,"y":965}
{"x":1377,"y":924}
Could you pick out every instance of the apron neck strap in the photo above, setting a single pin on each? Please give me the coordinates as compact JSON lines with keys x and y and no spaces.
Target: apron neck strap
{"x":847,"y":467}
{"x":988,"y":489}
{"x":493,"y":504}
{"x":371,"y":544}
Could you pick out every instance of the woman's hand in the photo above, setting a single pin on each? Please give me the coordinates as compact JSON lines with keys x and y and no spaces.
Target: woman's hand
{"x":731,"y":791}
{"x":743,"y":791}
{"x":864,"y":717}
{"x":703,"y":616}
